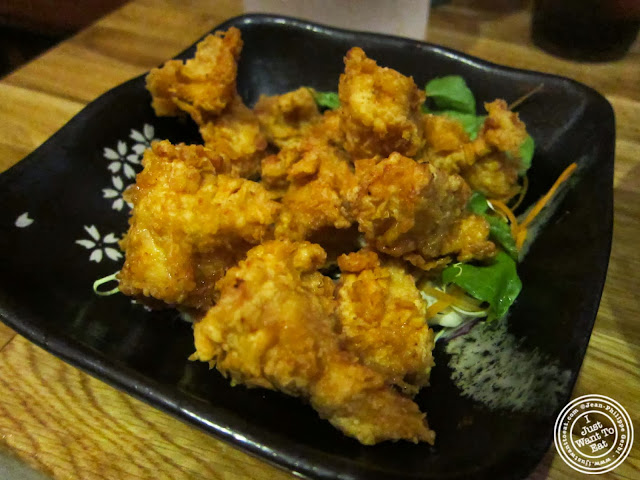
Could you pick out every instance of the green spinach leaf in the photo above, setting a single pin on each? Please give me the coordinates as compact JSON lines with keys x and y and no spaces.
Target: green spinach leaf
{"x":470,"y":122}
{"x":328,"y":100}
{"x":497,"y":283}
{"x":526,"y":153}
{"x":451,"y":93}
{"x":499,"y":230}
{"x":478,"y":204}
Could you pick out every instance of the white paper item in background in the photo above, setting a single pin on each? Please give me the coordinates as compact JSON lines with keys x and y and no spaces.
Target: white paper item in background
{"x":405,"y":18}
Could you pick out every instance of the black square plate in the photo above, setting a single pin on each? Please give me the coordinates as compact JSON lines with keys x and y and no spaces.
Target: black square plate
{"x":62,"y":211}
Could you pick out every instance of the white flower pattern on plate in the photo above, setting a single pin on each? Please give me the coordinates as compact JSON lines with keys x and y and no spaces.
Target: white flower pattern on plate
{"x":116,"y":193}
{"x":100,"y":245}
{"x":121,"y":159}
{"x":143,"y":138}
{"x":23,"y":220}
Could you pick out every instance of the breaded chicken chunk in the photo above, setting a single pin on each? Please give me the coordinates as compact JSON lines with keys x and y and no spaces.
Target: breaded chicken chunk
{"x":236,"y":135}
{"x":287,"y":117}
{"x":205,"y":88}
{"x":203,"y":85}
{"x":190,"y":223}
{"x":316,"y":197}
{"x":412,"y":210}
{"x":274,"y":327}
{"x":382,"y":319}
{"x":380,"y":109}
{"x":442,"y":135}
{"x":491,"y":162}
{"x":312,"y":176}
{"x":495,"y":175}
{"x":322,"y":134}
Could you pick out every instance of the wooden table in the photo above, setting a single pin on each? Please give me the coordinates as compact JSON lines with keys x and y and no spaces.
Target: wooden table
{"x":69,"y":425}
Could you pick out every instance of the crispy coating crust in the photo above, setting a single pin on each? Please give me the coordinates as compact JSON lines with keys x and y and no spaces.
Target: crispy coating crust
{"x":490,"y":163}
{"x":407,"y":209}
{"x":382,"y":320}
{"x":274,"y":327}
{"x":189,"y":224}
{"x":287,"y":117}
{"x":203,"y":85}
{"x":312,"y":176}
{"x":468,"y":239}
{"x":236,"y":135}
{"x":503,"y":129}
{"x":324,"y":134}
{"x":494,"y":175}
{"x":316,"y":196}
{"x":443,"y":135}
{"x":380,"y":109}
{"x":203,"y":237}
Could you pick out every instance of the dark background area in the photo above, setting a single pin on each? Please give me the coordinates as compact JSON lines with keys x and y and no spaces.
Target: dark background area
{"x":29,"y":27}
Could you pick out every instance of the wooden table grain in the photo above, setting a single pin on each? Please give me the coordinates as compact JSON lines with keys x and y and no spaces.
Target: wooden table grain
{"x":69,"y":425}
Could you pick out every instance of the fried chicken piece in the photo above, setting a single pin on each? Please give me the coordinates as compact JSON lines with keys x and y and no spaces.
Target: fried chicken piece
{"x":491,"y":162}
{"x":205,"y":88}
{"x":190,"y":222}
{"x":443,"y":135}
{"x":323,"y":134}
{"x":356,"y":400}
{"x":274,"y":327}
{"x":495,"y":176}
{"x":236,"y":134}
{"x":203,"y":85}
{"x":503,"y":129}
{"x":412,"y":210}
{"x":380,"y":109}
{"x":312,"y":176}
{"x":316,"y":196}
{"x":383,"y":320}
{"x":287,"y":117}
{"x":468,"y":240}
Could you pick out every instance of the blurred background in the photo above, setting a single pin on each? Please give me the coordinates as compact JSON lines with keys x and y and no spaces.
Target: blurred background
{"x":584,"y":30}
{"x":29,"y":27}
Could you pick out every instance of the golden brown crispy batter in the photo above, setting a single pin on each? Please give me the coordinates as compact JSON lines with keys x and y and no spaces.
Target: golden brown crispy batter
{"x":190,"y":222}
{"x":236,"y":135}
{"x":324,"y":134}
{"x":288,"y":116}
{"x":443,"y":135}
{"x":356,"y":400}
{"x":312,"y":175}
{"x":380,"y":109}
{"x":274,"y":327}
{"x":468,"y":240}
{"x":491,"y":162}
{"x":316,"y":196}
{"x":382,"y":319}
{"x":202,"y":238}
{"x":202,"y":85}
{"x":495,"y":176}
{"x":503,"y":129}
{"x":407,"y":209}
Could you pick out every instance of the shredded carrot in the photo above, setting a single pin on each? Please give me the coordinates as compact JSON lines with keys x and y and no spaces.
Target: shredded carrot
{"x":521,"y":235}
{"x":523,"y":192}
{"x":437,"y":307}
{"x":520,"y":100}
{"x":459,"y":298}
{"x":513,"y":222}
